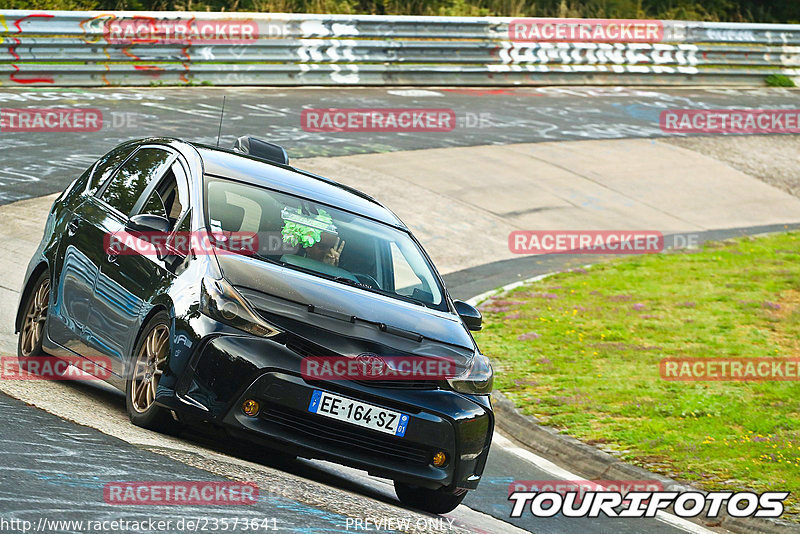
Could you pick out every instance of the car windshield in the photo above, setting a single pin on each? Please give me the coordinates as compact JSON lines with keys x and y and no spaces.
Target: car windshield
{"x":322,"y":240}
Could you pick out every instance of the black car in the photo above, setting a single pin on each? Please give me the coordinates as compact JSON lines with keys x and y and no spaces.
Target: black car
{"x":207,"y":334}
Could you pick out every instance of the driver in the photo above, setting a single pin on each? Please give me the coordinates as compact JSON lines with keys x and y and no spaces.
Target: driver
{"x":324,"y":252}
{"x":316,"y":233}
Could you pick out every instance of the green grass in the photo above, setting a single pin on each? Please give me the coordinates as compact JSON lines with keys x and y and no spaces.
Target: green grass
{"x":580,"y":351}
{"x":779,"y":80}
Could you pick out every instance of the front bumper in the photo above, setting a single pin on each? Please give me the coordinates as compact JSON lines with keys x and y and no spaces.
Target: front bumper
{"x":227,"y":370}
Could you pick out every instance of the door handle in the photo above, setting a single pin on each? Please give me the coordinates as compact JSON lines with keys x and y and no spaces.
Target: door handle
{"x":72,"y":227}
{"x":112,"y":258}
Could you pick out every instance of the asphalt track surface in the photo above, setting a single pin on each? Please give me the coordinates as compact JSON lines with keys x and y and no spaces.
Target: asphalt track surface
{"x":52,"y":467}
{"x":55,"y":470}
{"x":35,"y":164}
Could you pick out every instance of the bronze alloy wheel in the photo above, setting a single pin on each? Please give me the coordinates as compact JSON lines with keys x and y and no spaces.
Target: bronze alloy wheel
{"x":33,"y":322}
{"x":148,"y":368}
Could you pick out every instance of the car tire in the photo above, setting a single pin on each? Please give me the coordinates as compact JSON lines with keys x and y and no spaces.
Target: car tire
{"x":141,"y":380}
{"x":35,"y":307}
{"x":438,"y":501}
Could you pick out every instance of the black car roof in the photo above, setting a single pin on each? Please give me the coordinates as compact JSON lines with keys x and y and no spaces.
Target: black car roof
{"x":229,"y":164}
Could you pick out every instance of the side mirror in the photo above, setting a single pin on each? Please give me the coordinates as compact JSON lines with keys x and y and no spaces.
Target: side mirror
{"x":469,"y":314}
{"x":145,"y":222}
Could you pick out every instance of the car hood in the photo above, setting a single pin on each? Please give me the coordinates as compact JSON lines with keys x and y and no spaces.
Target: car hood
{"x":331,"y":317}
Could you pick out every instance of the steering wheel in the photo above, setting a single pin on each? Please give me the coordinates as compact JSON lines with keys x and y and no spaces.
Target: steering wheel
{"x":367,"y":280}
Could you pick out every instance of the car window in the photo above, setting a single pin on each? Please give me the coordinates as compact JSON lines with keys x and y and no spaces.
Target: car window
{"x":324,"y":241}
{"x":128,"y":184}
{"x":179,"y":242}
{"x":105,"y":167}
{"x":155,"y":205}
{"x":406,"y":280}
{"x":170,"y":197}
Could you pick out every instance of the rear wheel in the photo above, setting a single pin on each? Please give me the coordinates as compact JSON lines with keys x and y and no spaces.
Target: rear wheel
{"x":437,"y":501}
{"x":148,"y":362}
{"x":31,"y":333}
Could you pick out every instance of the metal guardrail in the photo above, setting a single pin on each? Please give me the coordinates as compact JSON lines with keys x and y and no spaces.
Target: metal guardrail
{"x":68,"y":48}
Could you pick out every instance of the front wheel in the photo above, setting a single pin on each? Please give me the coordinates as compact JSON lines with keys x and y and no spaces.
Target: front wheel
{"x":437,"y":501}
{"x":148,"y":362}
{"x":31,"y":333}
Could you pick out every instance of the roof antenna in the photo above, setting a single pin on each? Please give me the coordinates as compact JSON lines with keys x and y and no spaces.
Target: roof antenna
{"x":221,"y":114}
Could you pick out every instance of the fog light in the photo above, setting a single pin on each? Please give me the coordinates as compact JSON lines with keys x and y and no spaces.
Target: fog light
{"x":250,"y":407}
{"x":439,"y":459}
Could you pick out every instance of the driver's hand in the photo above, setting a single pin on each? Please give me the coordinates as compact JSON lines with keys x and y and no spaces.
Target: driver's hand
{"x":332,"y":256}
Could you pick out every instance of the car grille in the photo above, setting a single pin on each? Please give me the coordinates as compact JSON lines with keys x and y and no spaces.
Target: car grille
{"x":399,"y":384}
{"x":344,"y":435}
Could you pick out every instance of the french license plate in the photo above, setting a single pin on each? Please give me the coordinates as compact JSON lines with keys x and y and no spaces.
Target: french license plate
{"x":358,"y":413}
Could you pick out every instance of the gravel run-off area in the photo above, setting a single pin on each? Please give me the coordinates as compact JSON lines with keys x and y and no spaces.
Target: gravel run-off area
{"x":775,"y":159}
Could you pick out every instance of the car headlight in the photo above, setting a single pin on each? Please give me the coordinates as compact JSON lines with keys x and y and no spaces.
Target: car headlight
{"x":220,"y":301}
{"x":477,"y":380}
